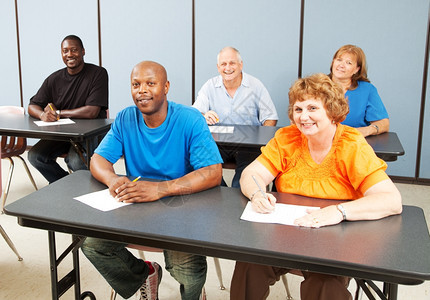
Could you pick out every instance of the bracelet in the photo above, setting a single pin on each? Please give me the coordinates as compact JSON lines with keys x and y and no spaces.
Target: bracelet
{"x":342,"y":211}
{"x":376,"y":126}
{"x":40,"y":117}
{"x":253,"y":194}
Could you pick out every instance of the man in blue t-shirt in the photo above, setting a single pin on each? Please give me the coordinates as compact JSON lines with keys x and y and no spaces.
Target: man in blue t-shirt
{"x":162,"y":140}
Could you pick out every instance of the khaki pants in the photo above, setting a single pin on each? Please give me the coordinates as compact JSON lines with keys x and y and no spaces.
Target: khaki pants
{"x":252,"y":282}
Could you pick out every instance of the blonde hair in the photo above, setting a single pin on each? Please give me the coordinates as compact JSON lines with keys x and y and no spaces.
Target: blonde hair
{"x":321,"y":87}
{"x":361,"y":62}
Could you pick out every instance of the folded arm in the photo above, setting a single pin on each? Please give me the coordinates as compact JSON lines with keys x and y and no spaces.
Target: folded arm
{"x":375,"y":127}
{"x":144,"y":191}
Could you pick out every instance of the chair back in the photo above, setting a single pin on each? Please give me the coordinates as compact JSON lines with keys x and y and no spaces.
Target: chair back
{"x":12,"y":110}
{"x":10,"y":145}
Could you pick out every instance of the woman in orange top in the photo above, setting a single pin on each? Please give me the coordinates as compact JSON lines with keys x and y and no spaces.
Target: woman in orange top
{"x":316,"y":157}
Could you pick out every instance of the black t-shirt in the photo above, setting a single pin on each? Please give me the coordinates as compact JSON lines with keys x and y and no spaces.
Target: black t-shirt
{"x":65,"y":91}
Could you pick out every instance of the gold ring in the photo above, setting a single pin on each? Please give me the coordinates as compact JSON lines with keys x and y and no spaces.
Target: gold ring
{"x":315,"y":220}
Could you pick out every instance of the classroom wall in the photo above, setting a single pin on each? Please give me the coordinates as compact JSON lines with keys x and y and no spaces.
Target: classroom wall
{"x":9,"y":75}
{"x":392,"y":34}
{"x":267,"y":33}
{"x":137,"y":30}
{"x":424,"y":166}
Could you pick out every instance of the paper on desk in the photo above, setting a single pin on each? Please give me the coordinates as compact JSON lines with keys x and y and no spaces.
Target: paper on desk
{"x":221,"y":129}
{"x":283,"y":214}
{"x":101,"y":200}
{"x":59,"y":122}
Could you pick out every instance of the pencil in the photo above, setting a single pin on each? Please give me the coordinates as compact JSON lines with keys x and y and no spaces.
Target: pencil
{"x":259,"y":187}
{"x":53,"y":111}
{"x":136,"y":179}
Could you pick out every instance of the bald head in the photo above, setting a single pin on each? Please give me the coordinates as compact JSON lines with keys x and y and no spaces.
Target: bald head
{"x":149,"y":88}
{"x":148,"y":65}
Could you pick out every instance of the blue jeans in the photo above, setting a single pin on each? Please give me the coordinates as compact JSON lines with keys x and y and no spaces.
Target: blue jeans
{"x":125,"y":273}
{"x":43,"y":156}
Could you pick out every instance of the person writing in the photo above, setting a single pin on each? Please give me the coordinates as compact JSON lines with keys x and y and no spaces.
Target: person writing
{"x":367,"y":113}
{"x":317,"y":157}
{"x":162,"y":140}
{"x":80,"y":90}
{"x":235,"y":98}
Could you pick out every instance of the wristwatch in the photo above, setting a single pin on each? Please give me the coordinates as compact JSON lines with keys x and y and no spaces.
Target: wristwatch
{"x":342,"y":211}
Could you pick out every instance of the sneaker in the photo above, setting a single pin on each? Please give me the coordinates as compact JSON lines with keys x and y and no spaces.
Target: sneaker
{"x":203,"y":294}
{"x":149,"y":289}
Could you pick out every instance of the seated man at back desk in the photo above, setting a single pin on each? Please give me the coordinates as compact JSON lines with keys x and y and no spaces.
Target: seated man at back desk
{"x":235,"y":97}
{"x":162,"y":140}
{"x":80,"y":90}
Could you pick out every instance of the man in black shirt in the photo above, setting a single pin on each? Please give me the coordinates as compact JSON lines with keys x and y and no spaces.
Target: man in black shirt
{"x":78,"y":91}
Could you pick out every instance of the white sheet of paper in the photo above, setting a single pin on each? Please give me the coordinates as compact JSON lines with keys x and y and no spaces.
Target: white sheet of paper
{"x":101,"y":200}
{"x":59,"y":122}
{"x":283,"y":214}
{"x":221,"y":129}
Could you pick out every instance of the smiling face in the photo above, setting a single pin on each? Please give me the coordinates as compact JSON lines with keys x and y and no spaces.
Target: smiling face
{"x":344,"y":66}
{"x":73,"y":56}
{"x":149,"y":88}
{"x":310,"y":117}
{"x":230,"y":65}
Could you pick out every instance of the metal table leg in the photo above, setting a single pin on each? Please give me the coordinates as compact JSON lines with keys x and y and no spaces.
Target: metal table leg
{"x":58,"y":288}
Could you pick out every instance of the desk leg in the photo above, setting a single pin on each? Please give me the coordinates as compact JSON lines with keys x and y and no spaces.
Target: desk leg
{"x":58,"y":288}
{"x":87,"y":147}
{"x":390,"y":290}
{"x":53,"y":265}
{"x":77,"y":275}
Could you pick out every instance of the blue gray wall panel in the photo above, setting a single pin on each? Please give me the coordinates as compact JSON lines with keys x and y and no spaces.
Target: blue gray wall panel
{"x":135,"y":30}
{"x":392,"y":34}
{"x":266,"y":34}
{"x":9,"y":75}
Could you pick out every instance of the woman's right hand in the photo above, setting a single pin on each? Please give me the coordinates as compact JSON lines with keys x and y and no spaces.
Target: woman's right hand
{"x":263,"y":204}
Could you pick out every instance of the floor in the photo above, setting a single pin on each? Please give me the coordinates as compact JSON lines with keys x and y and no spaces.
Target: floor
{"x":30,"y":278}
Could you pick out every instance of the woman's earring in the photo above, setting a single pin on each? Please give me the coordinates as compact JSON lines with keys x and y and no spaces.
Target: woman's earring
{"x":333,"y":122}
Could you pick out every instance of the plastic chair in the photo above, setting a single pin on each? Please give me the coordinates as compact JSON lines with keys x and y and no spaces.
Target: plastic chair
{"x":3,"y":232}
{"x":13,"y":147}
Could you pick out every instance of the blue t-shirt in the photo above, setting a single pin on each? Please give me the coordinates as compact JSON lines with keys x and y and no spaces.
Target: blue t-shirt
{"x":365,"y":105}
{"x":180,"y":145}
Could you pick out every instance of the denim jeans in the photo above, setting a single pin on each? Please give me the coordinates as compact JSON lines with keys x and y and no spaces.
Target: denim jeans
{"x":43,"y":156}
{"x":125,"y":273}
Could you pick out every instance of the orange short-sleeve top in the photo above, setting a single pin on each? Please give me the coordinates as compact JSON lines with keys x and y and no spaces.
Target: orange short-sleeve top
{"x":348,"y":170}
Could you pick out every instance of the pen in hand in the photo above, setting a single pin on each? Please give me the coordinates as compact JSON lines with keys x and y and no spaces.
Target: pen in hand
{"x":259,"y":187}
{"x":262,"y":206}
{"x":136,"y":179}
{"x":117,"y":190}
{"x":50,"y":106}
